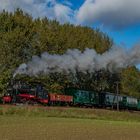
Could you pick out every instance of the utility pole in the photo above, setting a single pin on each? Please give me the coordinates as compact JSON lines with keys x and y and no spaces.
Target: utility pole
{"x":117,"y":93}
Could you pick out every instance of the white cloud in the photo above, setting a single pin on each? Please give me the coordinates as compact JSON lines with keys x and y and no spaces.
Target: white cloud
{"x":111,"y":13}
{"x":63,"y":13}
{"x":40,"y":8}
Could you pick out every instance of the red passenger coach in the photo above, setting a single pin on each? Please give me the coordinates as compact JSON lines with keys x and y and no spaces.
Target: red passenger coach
{"x":58,"y":98}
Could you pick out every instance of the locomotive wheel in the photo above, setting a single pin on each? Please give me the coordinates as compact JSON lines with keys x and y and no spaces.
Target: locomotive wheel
{"x":23,"y":100}
{"x":14,"y":99}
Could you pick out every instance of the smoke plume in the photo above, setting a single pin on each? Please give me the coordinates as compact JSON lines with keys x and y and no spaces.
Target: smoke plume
{"x":87,"y":61}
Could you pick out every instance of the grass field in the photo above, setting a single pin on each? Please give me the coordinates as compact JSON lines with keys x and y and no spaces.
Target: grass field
{"x":40,"y":128}
{"x":67,"y":124}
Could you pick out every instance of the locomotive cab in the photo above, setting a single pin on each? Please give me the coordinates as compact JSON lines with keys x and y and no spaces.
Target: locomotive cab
{"x":34,"y":93}
{"x":42,"y":94}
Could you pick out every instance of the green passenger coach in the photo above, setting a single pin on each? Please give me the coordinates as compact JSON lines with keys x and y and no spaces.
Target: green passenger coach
{"x":83,"y":97}
{"x":107,"y":99}
{"x":131,"y":102}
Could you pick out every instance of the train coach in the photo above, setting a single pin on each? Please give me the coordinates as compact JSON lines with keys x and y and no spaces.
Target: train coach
{"x":83,"y":97}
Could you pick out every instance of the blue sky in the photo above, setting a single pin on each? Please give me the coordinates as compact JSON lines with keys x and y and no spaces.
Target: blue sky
{"x":120,"y":19}
{"x":126,"y":37}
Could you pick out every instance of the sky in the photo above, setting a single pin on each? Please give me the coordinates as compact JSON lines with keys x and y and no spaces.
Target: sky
{"x":120,"y":19}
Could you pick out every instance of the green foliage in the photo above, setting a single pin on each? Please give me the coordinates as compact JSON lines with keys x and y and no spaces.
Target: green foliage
{"x":130,"y":82}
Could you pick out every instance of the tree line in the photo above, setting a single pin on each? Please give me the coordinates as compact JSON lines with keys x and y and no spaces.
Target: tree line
{"x":21,"y":37}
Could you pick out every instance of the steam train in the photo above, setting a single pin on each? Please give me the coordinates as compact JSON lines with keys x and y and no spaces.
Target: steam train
{"x":35,"y":93}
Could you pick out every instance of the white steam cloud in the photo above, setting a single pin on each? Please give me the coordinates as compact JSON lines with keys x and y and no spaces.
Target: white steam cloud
{"x":74,"y":60}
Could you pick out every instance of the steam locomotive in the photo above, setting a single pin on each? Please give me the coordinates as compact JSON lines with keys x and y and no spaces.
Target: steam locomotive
{"x":35,"y":93}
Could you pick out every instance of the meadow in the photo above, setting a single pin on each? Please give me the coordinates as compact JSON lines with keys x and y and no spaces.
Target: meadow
{"x":55,"y":123}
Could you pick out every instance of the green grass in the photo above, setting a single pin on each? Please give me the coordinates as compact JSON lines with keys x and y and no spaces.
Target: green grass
{"x":61,"y":123}
{"x":52,"y":128}
{"x":63,"y":112}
